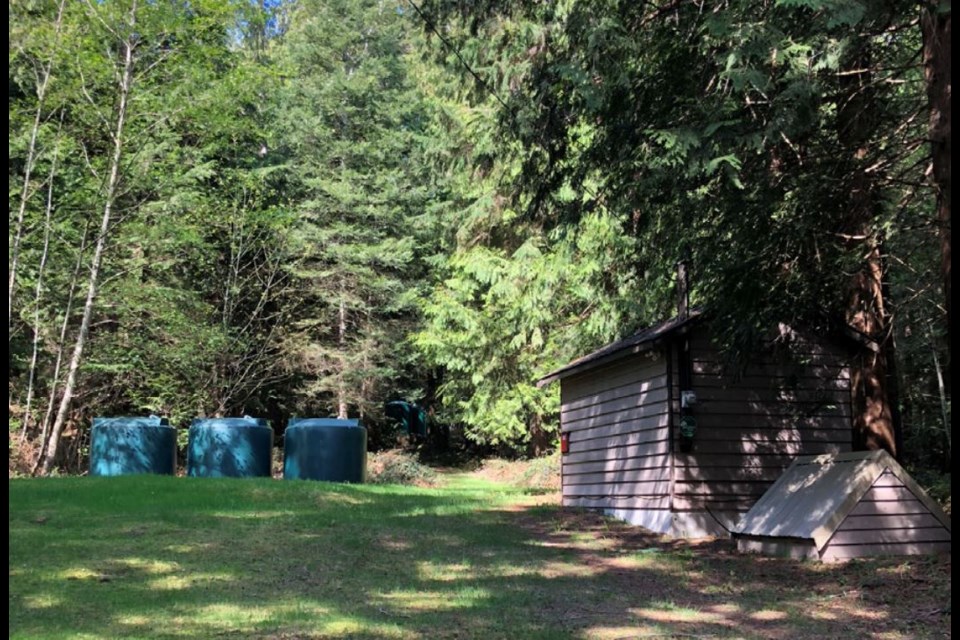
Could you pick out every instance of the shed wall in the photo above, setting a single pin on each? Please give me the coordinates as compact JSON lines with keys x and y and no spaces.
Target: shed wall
{"x":751,"y":427}
{"x":888,"y":520}
{"x":617,"y":419}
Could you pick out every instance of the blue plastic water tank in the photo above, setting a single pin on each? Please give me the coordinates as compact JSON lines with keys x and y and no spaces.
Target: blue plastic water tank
{"x":325,"y":449}
{"x":129,"y":445}
{"x":229,"y":447}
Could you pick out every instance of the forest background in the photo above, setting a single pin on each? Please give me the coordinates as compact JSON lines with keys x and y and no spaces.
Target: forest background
{"x":306,"y":207}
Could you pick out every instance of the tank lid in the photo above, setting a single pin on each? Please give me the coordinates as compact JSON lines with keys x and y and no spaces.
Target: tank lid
{"x":131,"y":421}
{"x":322,"y":422}
{"x":245,"y":421}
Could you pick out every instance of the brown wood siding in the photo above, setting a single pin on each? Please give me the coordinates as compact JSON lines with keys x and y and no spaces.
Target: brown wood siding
{"x":619,"y":502}
{"x":888,"y":520}
{"x":751,"y":426}
{"x":644,"y":402}
{"x":621,"y":453}
{"x":628,"y":390}
{"x":907,"y":507}
{"x":899,"y":549}
{"x":633,"y":420}
{"x":766,"y":372}
{"x":762,"y":446}
{"x":638,"y":368}
{"x":717,"y":502}
{"x":622,"y":464}
{"x":620,"y":476}
{"x":617,"y":419}
{"x":622,"y":489}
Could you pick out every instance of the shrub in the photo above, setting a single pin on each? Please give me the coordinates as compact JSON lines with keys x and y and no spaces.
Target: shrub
{"x":537,"y":473}
{"x":399,"y":467}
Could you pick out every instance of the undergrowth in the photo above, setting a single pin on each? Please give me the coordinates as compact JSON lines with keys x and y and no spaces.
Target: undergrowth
{"x":399,"y":467}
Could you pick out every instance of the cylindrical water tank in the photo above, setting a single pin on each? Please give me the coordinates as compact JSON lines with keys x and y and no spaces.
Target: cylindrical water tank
{"x":128,"y":445}
{"x":229,"y":447}
{"x":325,"y":449}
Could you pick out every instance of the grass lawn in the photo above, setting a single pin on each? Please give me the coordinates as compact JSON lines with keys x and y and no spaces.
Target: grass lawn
{"x":165,"y":557}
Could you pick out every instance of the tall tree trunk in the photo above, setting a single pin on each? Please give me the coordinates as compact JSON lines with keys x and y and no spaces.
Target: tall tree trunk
{"x":874,"y":426}
{"x":61,"y":346}
{"x":539,"y":437}
{"x":124,"y":86}
{"x":341,"y":383}
{"x":935,"y":26}
{"x":944,"y":407}
{"x":38,"y":293}
{"x":43,"y":83}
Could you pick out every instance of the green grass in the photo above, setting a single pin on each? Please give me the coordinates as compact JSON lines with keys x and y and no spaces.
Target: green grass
{"x":163,"y":557}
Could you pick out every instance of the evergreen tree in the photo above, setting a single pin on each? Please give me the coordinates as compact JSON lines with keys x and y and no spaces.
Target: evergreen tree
{"x":350,"y":125}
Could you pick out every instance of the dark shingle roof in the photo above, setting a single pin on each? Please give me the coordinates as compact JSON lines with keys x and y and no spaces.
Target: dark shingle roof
{"x":642,"y":340}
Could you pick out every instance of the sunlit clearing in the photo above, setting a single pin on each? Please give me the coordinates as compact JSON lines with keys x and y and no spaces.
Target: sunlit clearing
{"x":42,"y":601}
{"x":452,"y":509}
{"x":622,"y":633}
{"x":768,"y":614}
{"x":153,"y":567}
{"x":191,"y":548}
{"x":176,"y":583}
{"x":897,"y":570}
{"x":78,"y":573}
{"x":822,"y":615}
{"x":673,"y":613}
{"x":445,"y":572}
{"x":219,"y":614}
{"x":409,"y":600}
{"x":725,"y":608}
{"x":393,"y":543}
{"x":351,"y":627}
{"x":568,"y":569}
{"x":338,"y":498}
{"x":252,"y":515}
{"x":848,"y":608}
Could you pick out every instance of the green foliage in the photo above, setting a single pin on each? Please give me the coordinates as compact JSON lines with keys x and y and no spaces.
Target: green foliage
{"x":192,"y":292}
{"x":542,"y":473}
{"x":935,"y":483}
{"x":497,"y":321}
{"x":743,"y":138}
{"x":319,"y":208}
{"x":350,"y":124}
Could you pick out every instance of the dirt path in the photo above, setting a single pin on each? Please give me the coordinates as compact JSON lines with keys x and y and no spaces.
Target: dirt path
{"x":651,"y":586}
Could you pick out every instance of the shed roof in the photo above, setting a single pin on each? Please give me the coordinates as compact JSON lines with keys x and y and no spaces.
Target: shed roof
{"x":649,"y":337}
{"x":642,"y":340}
{"x":814,"y":495}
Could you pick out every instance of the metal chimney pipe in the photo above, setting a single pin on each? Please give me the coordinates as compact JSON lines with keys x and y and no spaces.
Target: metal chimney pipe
{"x":683,"y":290}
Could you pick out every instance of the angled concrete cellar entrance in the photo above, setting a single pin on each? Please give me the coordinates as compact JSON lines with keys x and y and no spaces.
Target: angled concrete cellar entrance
{"x":839,"y":506}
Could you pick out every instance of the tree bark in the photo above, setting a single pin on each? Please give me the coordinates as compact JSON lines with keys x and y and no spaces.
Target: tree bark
{"x":125,"y":85}
{"x":873,"y":423}
{"x":935,"y":28}
{"x":341,"y":383}
{"x":38,"y":293}
{"x":42,"y":85}
{"x":61,"y":345}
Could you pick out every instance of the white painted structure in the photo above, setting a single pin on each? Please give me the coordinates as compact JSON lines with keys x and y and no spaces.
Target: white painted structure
{"x":851,"y":505}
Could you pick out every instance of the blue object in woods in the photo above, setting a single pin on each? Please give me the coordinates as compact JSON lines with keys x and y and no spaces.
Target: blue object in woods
{"x":325,"y":449}
{"x":412,"y":417}
{"x":129,"y":445}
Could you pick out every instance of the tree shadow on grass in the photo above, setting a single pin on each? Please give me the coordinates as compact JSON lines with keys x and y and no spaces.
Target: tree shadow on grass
{"x":312,"y":560}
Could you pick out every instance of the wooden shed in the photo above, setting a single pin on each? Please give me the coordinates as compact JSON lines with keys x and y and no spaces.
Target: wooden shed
{"x":851,"y":505}
{"x":655,"y":430}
